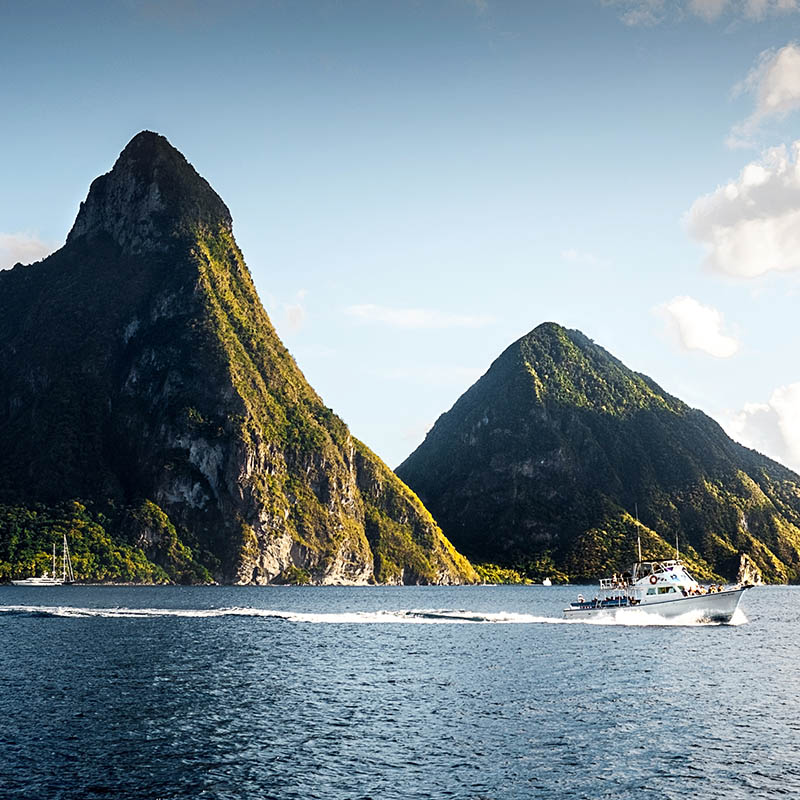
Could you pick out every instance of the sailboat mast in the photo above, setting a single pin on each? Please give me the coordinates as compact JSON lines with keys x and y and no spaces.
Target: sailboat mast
{"x":638,"y":532}
{"x":68,"y":575}
{"x":677,"y":554}
{"x":53,"y":573}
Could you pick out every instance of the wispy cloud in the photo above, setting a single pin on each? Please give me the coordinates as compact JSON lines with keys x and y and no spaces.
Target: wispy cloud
{"x":698,"y":327}
{"x":22,"y":248}
{"x":295,"y":315}
{"x":479,"y":6}
{"x":292,"y":314}
{"x":751,"y":225}
{"x":772,"y":428}
{"x":774,"y":82}
{"x":416,"y":318}
{"x":583,"y":257}
{"x":646,"y":13}
{"x":709,"y":10}
{"x":316,"y":351}
{"x":639,"y":13}
{"x":416,"y":432}
{"x":758,"y":9}
{"x":182,"y":14}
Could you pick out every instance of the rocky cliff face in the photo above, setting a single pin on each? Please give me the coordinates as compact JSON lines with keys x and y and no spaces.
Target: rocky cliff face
{"x":543,"y":462}
{"x":749,"y":574}
{"x":139,"y":370}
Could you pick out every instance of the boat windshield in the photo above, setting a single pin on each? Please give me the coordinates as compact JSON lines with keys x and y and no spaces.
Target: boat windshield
{"x":643,"y":569}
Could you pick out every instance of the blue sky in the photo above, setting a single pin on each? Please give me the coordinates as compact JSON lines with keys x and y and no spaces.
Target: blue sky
{"x":415,"y":184}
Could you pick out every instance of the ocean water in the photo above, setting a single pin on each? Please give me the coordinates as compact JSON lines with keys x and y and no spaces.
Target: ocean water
{"x":402,"y":692}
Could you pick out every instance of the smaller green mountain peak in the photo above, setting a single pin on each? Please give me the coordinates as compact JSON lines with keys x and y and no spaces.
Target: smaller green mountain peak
{"x":548,"y":329}
{"x":546,"y":462}
{"x":151,"y":195}
{"x":552,"y":332}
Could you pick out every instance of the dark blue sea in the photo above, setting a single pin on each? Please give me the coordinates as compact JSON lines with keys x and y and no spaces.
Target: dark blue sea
{"x":403,"y":692}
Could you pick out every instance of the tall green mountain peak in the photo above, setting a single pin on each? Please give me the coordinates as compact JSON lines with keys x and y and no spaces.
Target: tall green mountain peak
{"x":544,"y":461}
{"x":149,"y":410}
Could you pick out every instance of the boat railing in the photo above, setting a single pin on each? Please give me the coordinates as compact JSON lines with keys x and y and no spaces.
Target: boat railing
{"x":614,"y":583}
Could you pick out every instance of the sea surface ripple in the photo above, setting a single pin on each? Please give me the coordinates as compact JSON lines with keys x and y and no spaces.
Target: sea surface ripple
{"x":389,"y":692}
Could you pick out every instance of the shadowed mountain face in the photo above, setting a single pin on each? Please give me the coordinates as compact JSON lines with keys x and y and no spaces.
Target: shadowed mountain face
{"x":543,"y":462}
{"x":140,"y":374}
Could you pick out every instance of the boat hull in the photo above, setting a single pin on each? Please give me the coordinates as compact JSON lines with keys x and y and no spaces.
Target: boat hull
{"x":717,"y":607}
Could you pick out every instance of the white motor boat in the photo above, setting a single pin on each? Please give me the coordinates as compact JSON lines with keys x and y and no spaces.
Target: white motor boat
{"x":53,"y":579}
{"x":662,"y":588}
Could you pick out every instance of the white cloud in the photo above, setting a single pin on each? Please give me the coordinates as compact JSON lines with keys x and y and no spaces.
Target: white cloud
{"x":698,"y":327}
{"x":416,"y":318}
{"x":21,"y":248}
{"x":772,"y":428}
{"x":752,"y":224}
{"x":775,"y":85}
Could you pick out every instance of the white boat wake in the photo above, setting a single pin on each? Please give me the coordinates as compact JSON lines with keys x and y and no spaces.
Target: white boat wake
{"x":628,"y":617}
{"x":639,"y":618}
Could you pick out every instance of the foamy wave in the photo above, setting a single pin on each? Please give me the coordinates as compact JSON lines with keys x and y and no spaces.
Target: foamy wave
{"x":637,"y":617}
{"x":413,"y":616}
{"x":739,"y":618}
{"x":633,"y":617}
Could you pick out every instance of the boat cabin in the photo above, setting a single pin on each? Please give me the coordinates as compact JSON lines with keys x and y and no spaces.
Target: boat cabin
{"x":644,"y":582}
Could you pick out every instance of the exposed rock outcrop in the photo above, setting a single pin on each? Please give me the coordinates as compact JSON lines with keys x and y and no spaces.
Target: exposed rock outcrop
{"x":749,"y":574}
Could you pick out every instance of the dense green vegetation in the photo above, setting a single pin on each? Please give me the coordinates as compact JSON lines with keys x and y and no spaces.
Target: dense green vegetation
{"x":294,"y":575}
{"x":153,"y":530}
{"x":493,"y":573}
{"x":27,"y":536}
{"x":549,"y":455}
{"x":407,"y":544}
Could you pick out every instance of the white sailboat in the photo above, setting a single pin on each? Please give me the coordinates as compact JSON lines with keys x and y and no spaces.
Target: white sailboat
{"x":67,"y":577}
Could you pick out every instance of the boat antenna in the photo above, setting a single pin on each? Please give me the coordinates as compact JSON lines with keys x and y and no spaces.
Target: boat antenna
{"x":677,"y":553}
{"x":638,"y":532}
